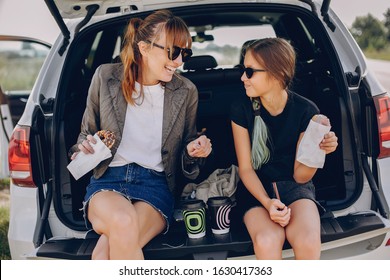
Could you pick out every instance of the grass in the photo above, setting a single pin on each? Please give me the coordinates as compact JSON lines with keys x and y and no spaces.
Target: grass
{"x":19,"y":73}
{"x":381,"y":55}
{"x":4,"y":223}
{"x":4,"y":184}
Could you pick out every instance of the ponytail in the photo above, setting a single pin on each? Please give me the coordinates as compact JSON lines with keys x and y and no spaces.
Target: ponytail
{"x":131,"y":58}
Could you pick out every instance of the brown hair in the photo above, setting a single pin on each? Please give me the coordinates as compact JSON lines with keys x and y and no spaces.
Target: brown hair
{"x":277,"y":56}
{"x":176,"y":32}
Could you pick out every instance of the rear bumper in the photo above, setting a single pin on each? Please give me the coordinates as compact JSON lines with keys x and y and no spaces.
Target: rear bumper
{"x":23,"y":219}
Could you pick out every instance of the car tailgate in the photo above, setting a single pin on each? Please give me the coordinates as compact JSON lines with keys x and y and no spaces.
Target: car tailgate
{"x":176,"y":245}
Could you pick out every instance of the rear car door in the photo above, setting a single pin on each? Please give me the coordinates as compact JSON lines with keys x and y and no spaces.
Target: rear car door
{"x":21,"y":59}
{"x":367,"y":108}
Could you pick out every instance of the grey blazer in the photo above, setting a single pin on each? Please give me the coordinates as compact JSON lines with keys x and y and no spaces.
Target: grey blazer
{"x":106,"y":109}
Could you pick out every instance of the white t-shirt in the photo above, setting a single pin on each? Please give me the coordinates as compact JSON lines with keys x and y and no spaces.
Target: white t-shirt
{"x":141,"y":139}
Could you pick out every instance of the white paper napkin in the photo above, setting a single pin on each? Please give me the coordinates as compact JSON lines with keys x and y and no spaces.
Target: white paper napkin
{"x":309,"y":152}
{"x":83,"y":163}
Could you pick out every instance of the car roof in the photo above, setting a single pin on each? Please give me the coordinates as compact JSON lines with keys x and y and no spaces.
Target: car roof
{"x":79,"y":8}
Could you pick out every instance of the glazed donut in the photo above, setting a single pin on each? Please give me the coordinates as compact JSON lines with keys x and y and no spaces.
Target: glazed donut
{"x":107,"y":137}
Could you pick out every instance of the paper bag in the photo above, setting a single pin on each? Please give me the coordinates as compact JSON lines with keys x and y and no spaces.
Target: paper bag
{"x":83,"y":163}
{"x":309,"y":152}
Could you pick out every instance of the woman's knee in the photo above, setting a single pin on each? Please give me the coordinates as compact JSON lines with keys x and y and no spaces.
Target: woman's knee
{"x":123,"y":222}
{"x":306,"y":246}
{"x":109,"y":210}
{"x":268,"y":240}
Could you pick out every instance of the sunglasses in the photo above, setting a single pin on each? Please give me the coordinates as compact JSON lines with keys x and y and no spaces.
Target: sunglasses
{"x":250,"y":71}
{"x":176,"y":51}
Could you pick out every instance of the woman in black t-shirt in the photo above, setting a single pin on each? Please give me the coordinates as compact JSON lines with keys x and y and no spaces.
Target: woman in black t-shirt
{"x":277,"y":196}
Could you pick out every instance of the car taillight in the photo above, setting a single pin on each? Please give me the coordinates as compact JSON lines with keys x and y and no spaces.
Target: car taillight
{"x":382,"y":105}
{"x":19,"y":158}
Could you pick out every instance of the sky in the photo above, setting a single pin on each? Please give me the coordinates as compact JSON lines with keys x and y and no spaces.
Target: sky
{"x":27,"y":18}
{"x":348,"y":10}
{"x":32,"y":18}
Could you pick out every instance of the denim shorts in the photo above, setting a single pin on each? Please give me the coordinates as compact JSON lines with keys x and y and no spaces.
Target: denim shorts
{"x":289,"y":191}
{"x":135,"y":183}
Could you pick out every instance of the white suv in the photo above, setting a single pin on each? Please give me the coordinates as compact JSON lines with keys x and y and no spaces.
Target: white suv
{"x":353,"y":186}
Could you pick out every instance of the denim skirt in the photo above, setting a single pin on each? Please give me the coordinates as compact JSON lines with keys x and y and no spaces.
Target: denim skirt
{"x":135,"y":183}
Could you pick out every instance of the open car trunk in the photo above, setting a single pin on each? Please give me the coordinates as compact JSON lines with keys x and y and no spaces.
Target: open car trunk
{"x":319,"y":77}
{"x":176,"y":244}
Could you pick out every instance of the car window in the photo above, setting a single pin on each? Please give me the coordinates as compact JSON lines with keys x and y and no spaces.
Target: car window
{"x":225,"y":43}
{"x":20,"y":62}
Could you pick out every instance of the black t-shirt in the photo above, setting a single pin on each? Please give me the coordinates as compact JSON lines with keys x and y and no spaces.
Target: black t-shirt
{"x":284,"y":130}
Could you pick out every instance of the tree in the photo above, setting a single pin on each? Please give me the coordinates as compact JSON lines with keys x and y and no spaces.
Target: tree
{"x":369,"y":32}
{"x":387,"y":23}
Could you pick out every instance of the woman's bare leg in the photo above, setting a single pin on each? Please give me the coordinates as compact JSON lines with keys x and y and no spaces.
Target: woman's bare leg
{"x":125,"y":228}
{"x":101,"y":250}
{"x":150,"y":221}
{"x":114,"y":216}
{"x":304,"y":230}
{"x":267,"y":236}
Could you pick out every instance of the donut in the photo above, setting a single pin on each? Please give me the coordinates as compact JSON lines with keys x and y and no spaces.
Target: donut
{"x":107,"y":137}
{"x":321,"y":119}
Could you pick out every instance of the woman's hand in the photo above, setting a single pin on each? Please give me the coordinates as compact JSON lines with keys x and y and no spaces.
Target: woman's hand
{"x":200,"y":147}
{"x":279,"y":212}
{"x":329,"y":143}
{"x":85,"y":146}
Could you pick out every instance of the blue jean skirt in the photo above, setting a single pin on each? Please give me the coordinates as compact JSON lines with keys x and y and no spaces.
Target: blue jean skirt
{"x":135,"y":183}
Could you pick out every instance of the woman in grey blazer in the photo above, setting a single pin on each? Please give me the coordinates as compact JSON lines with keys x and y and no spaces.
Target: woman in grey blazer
{"x":152,"y":113}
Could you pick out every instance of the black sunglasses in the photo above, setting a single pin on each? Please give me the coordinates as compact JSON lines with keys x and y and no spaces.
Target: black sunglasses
{"x":185,"y":53}
{"x":249,"y":71}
